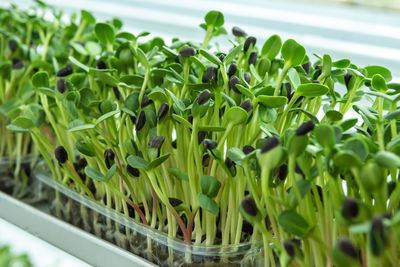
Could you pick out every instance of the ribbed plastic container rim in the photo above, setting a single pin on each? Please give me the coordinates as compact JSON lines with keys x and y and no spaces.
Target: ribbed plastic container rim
{"x":154,"y":234}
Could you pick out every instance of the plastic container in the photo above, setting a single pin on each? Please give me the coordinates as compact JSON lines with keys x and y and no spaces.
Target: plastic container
{"x":141,"y":240}
{"x":19,"y":182}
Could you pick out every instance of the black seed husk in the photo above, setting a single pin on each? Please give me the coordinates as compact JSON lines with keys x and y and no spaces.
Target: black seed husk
{"x":209,"y":144}
{"x":288,"y":89}
{"x":247,"y":105}
{"x":67,"y":70}
{"x":307,"y":67}
{"x":347,"y":79}
{"x":247,"y":149}
{"x":141,"y":121}
{"x":229,"y":163}
{"x":133,"y":171}
{"x":177,"y":60}
{"x":190,"y":118}
{"x":270,"y":143}
{"x":232,"y":69}
{"x":288,"y":245}
{"x":101,"y":65}
{"x":12,"y":44}
{"x":233,"y":81}
{"x":281,"y":172}
{"x":133,"y":119}
{"x":253,"y":58}
{"x":201,"y":136}
{"x":174,"y":201}
{"x":298,"y":170}
{"x":206,"y":160}
{"x":305,"y":128}
{"x":316,"y":81}
{"x":221,"y":57}
{"x":61,"y":154}
{"x":187,"y":52}
{"x":145,"y":101}
{"x":238,"y":32}
{"x":203,"y":98}
{"x":163,"y":111}
{"x":17,"y":64}
{"x":318,"y":67}
{"x":116,"y":92}
{"x":251,"y":40}
{"x":108,"y":157}
{"x":347,"y":248}
{"x":249,"y":206}
{"x":173,"y":144}
{"x":378,"y":227}
{"x":212,"y":73}
{"x":62,"y":85}
{"x":247,"y":77}
{"x":80,"y":164}
{"x":350,"y":208}
{"x":156,"y":141}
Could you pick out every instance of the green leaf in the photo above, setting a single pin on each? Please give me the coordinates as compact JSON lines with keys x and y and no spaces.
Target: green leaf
{"x":157,"y":162}
{"x":294,"y":77}
{"x":325,"y":135}
{"x":346,"y":159}
{"x":214,"y":18}
{"x":23,"y":122}
{"x":15,"y":128}
{"x":342,"y":63}
{"x":267,"y":115}
{"x":142,"y":58}
{"x":40,"y":79}
{"x":179,"y":104}
{"x":384,"y":72}
{"x":294,"y":223}
{"x":182,"y":120}
{"x":94,"y":174}
{"x":308,"y":113}
{"x":87,"y":17}
{"x":104,"y":32}
{"x":245,"y":91}
{"x":348,"y":124}
{"x":209,"y":185}
{"x":235,"y":154}
{"x":326,"y":66}
{"x":210,"y":57}
{"x":110,"y":173}
{"x":358,"y":146}
{"x":208,"y":204}
{"x":387,"y":159}
{"x":137,"y":162}
{"x":272,"y":101}
{"x":232,"y":54}
{"x":81,"y":127}
{"x":85,"y":147}
{"x":236,"y":115}
{"x":179,"y":174}
{"x":93,"y":48}
{"x":392,"y":115}
{"x":334,"y":115}
{"x":272,"y":47}
{"x":379,"y":83}
{"x":366,"y":112}
{"x":106,"y":116}
{"x":304,"y":187}
{"x":312,"y":89}
{"x":292,"y":52}
{"x":79,"y":64}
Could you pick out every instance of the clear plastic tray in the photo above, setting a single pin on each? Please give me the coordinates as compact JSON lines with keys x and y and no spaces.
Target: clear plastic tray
{"x":146,"y":242}
{"x":18,"y":181}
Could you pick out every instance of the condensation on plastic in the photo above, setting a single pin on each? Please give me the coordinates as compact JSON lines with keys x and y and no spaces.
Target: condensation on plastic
{"x":29,"y":191}
{"x":144,"y":241}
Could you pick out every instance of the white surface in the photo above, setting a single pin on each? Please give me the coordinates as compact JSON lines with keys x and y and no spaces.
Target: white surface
{"x":41,"y":253}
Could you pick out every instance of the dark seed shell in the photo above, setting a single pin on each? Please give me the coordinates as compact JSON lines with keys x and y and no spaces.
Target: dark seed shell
{"x":173,"y":144}
{"x":177,"y":60}
{"x":12,"y":44}
{"x":270,"y":143}
{"x":201,"y":136}
{"x":350,"y":208}
{"x":253,"y":58}
{"x":133,"y":119}
{"x":247,"y":149}
{"x":249,"y":206}
{"x":116,"y":92}
{"x":238,"y":32}
{"x":281,"y":172}
{"x":288,"y":89}
{"x":133,"y":171}
{"x":209,"y":144}
{"x":156,"y":141}
{"x":187,"y":52}
{"x":251,"y":40}
{"x":141,"y":121}
{"x":61,"y":154}
{"x":174,"y":201}
{"x":190,"y":118}
{"x":247,"y":105}
{"x":80,"y":164}
{"x":229,"y":163}
{"x":305,"y":128}
{"x":347,"y":248}
{"x":163,"y":111}
{"x":221,"y":57}
{"x":378,"y":228}
{"x":288,"y":245}
{"x":233,"y":81}
{"x":212,"y":73}
{"x":17,"y":64}
{"x":203,"y":98}
{"x":67,"y":70}
{"x":316,"y":81}
{"x":347,"y":79}
{"x":145,"y":101}
{"x":62,"y":85}
{"x":101,"y":65}
{"x":247,"y":77}
{"x":307,"y":67}
{"x":232,"y":69}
